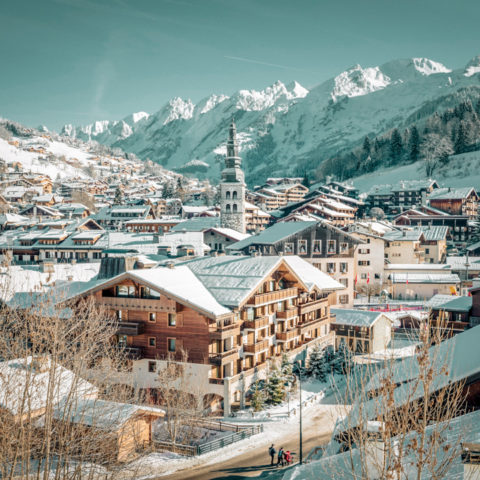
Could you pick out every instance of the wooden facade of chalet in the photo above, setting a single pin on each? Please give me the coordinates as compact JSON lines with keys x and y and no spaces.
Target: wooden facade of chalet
{"x":279,"y":316}
{"x":466,"y":204}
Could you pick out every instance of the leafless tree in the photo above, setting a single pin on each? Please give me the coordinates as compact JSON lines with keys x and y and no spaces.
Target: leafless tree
{"x":402,"y":413}
{"x":180,"y":398}
{"x":54,"y":358}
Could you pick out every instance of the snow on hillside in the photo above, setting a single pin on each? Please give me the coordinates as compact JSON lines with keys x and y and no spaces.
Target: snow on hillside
{"x":287,"y":127}
{"x":462,"y":171}
{"x":36,"y":162}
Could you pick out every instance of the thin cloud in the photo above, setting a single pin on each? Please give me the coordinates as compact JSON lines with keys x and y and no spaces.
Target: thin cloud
{"x":258,"y":62}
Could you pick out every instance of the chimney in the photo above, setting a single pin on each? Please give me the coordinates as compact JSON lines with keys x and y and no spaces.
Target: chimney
{"x":404,"y":233}
{"x":471,"y":461}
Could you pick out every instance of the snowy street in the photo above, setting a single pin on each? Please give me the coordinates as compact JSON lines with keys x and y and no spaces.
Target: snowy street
{"x":249,"y":458}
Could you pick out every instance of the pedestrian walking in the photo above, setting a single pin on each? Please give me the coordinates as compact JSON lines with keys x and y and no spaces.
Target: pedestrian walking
{"x":280,"y":459}
{"x":288,"y":457}
{"x":272,"y":452}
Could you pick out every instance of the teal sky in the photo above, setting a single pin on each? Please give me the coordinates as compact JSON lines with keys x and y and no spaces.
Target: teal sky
{"x":75,"y":61}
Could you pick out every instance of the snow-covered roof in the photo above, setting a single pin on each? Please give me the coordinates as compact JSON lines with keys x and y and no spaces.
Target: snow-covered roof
{"x":417,"y":266}
{"x":232,"y":279}
{"x":451,"y":193}
{"x":102,"y":414}
{"x":432,"y":278}
{"x":25,"y":377}
{"x":229,"y":232}
{"x":182,"y":284}
{"x":274,"y":234}
{"x":356,"y":318}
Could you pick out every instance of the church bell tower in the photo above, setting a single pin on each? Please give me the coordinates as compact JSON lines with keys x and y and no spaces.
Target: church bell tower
{"x":232,"y":186}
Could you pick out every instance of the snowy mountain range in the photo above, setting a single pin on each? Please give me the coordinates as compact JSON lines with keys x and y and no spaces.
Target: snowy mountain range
{"x":287,"y":129}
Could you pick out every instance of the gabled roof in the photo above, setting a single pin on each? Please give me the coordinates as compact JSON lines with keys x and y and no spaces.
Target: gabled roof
{"x":434,"y":233}
{"x":232,"y":279}
{"x":274,"y":234}
{"x":404,"y":235}
{"x":356,"y":318}
{"x":452,"y":193}
{"x":229,"y":233}
{"x":102,"y":414}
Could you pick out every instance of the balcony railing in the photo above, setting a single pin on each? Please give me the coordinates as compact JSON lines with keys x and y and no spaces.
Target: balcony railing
{"x":130,"y":328}
{"x":136,"y":303}
{"x":260,"y":322}
{"x":315,"y":323}
{"x":222,"y":331}
{"x":312,"y":305}
{"x":223,"y":357}
{"x":271,"y":297}
{"x":289,"y":313}
{"x":257,"y":347}
{"x":286,"y":336}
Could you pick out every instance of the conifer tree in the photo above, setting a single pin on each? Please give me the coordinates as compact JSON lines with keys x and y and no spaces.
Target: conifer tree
{"x":286,"y":368}
{"x":275,"y":388}
{"x":305,"y":180}
{"x":118,"y":200}
{"x":367,"y":148}
{"x":396,"y":146}
{"x":257,"y":400}
{"x":414,"y":144}
{"x":460,"y":139}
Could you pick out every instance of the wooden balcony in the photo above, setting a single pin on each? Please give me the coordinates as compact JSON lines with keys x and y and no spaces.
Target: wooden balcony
{"x":257,"y":347}
{"x":312,"y":305}
{"x":130,"y":328}
{"x":260,"y":322}
{"x":287,"y":314}
{"x":304,"y":327}
{"x":223,"y":357}
{"x":276,"y":296}
{"x":223,"y":331}
{"x":286,"y":336}
{"x":132,"y":303}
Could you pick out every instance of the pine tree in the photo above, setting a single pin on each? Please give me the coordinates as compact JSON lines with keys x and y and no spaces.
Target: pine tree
{"x":286,"y":368}
{"x":319,"y":366}
{"x":396,"y":146}
{"x":366,"y":148}
{"x":118,"y":200}
{"x":257,"y":400}
{"x":275,"y":388}
{"x":305,"y":180}
{"x":414,"y":144}
{"x":460,"y":139}
{"x":314,"y":361}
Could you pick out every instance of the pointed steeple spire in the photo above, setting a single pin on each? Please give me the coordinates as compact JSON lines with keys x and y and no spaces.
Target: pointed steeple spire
{"x":232,"y":171}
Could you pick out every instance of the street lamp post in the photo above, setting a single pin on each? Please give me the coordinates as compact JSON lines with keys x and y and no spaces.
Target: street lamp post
{"x":300,"y":386}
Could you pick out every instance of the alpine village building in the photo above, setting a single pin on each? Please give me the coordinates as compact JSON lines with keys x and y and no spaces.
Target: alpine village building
{"x":231,"y":315}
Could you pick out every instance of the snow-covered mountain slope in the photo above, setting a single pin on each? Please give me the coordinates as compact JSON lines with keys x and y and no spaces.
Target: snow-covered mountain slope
{"x":286,"y":129}
{"x":462,"y":171}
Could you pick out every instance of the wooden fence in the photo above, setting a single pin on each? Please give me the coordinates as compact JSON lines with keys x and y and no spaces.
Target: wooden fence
{"x":240,"y":433}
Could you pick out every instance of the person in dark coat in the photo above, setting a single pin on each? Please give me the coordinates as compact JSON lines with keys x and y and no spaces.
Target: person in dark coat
{"x":272,"y":452}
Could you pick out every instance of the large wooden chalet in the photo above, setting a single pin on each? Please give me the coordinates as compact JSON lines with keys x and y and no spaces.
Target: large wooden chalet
{"x":230,"y":314}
